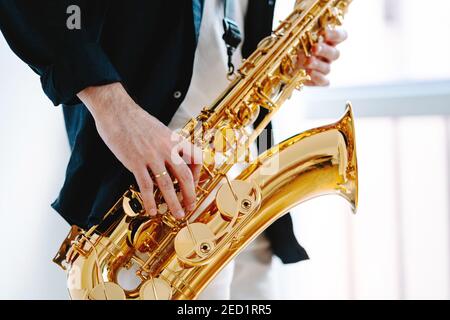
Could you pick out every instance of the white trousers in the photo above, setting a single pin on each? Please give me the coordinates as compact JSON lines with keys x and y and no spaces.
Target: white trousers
{"x":250,"y":276}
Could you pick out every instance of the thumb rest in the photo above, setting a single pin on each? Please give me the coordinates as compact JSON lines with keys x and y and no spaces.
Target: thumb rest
{"x":177,"y":259}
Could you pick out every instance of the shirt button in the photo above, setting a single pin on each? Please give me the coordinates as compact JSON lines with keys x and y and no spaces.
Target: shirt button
{"x":177,"y":94}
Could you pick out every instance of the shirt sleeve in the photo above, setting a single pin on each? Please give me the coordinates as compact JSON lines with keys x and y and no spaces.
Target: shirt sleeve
{"x":66,"y":59}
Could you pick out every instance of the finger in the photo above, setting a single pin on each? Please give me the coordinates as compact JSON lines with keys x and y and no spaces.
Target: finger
{"x":193,"y":156}
{"x":326,"y":52}
{"x":317,"y":79}
{"x":196,"y":172}
{"x":315,"y":64}
{"x":302,"y":59}
{"x":145,"y":184}
{"x":334,"y":36}
{"x":186,"y":181}
{"x":167,"y":189}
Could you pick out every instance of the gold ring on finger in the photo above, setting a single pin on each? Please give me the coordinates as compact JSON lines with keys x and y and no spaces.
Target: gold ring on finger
{"x":160,"y":174}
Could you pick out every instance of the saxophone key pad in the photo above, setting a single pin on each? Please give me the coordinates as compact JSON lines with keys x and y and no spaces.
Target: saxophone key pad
{"x":155,"y":289}
{"x":107,"y":291}
{"x":194,"y":242}
{"x":242,"y":198}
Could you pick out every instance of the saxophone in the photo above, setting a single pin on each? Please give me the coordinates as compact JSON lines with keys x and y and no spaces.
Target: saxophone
{"x":176,"y":259}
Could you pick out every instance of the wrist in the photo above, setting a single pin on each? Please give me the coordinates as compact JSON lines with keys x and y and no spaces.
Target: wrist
{"x":103,"y":101}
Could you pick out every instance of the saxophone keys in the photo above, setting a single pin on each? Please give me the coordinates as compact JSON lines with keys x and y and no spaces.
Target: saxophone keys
{"x":107,"y":291}
{"x":144,"y":233}
{"x":304,"y":42}
{"x":132,"y":204}
{"x":267,"y":43}
{"x":163,"y":208}
{"x":303,"y":5}
{"x":235,"y":242}
{"x":247,"y":113}
{"x":194,"y":242}
{"x":336,"y":16}
{"x":155,"y":289}
{"x":261,"y":97}
{"x":312,"y":38}
{"x":225,"y":139}
{"x":300,"y":79}
{"x":209,"y":164}
{"x":237,"y":197}
{"x":287,"y":65}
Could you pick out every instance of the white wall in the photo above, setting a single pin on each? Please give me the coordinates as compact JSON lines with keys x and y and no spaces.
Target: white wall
{"x":398,"y":244}
{"x":34,"y":152}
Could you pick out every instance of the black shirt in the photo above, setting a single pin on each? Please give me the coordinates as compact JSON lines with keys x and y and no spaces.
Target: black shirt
{"x":146,"y":45}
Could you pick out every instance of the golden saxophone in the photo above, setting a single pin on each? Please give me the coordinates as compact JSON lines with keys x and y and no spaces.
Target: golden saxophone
{"x":176,"y":259}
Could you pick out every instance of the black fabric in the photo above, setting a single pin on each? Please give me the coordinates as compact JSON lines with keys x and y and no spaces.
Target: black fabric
{"x":283,"y":241}
{"x":67,"y":61}
{"x":146,"y":45}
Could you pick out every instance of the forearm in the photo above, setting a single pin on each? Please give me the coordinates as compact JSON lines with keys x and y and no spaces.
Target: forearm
{"x":104,"y":100}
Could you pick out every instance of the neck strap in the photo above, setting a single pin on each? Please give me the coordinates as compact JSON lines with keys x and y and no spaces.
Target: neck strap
{"x":232,"y":35}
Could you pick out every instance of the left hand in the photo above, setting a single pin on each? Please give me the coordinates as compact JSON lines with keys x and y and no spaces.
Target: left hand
{"x":318,"y":65}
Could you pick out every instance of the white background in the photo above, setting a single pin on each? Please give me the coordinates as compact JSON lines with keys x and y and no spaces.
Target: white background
{"x":398,"y":244}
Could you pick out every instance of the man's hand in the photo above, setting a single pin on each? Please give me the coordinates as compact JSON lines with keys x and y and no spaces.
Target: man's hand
{"x":143,"y":144}
{"x":318,"y":66}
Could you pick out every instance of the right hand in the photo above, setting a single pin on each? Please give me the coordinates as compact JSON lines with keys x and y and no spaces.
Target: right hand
{"x":143,"y":144}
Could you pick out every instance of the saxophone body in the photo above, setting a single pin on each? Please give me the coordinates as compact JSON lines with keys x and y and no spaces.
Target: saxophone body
{"x":177,"y":259}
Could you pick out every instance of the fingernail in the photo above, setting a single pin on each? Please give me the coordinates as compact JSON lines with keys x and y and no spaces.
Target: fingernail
{"x":153,"y":212}
{"x":179,"y":215}
{"x":191,"y":207}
